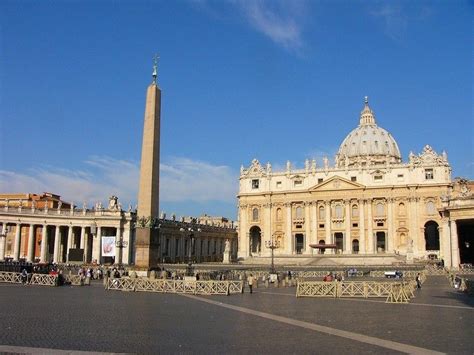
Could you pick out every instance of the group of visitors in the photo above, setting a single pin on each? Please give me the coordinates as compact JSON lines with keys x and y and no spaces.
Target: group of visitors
{"x":333,"y":277}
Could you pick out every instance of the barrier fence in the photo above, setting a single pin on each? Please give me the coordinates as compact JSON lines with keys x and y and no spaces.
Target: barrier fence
{"x":394,"y":292}
{"x":32,"y":279}
{"x":206,"y":287}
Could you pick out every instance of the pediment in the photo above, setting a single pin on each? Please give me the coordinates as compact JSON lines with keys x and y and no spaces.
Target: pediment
{"x":337,"y":183}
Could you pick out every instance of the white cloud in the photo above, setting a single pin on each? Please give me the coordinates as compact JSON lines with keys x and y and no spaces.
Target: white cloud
{"x":394,"y":19}
{"x":281,"y":21}
{"x":182,"y":179}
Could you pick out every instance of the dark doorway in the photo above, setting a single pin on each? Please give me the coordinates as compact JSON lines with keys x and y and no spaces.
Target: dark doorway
{"x":322,"y":250}
{"x":431,"y":236}
{"x":355,"y":246}
{"x":339,"y":238}
{"x":255,"y":240}
{"x":381,"y":242}
{"x":466,"y":241}
{"x":299,"y":243}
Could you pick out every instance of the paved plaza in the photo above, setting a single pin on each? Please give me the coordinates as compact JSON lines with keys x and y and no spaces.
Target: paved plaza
{"x":273,"y":320}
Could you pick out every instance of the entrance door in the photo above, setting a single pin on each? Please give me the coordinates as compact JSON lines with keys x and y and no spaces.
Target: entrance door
{"x":322,"y":250}
{"x":299,"y":243}
{"x":381,"y":243}
{"x":466,"y":241}
{"x":255,"y":240}
{"x":339,"y":238}
{"x":355,"y":246}
{"x":431,"y":236}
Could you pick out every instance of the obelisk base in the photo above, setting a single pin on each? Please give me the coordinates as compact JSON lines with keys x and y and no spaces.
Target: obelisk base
{"x":146,"y":248}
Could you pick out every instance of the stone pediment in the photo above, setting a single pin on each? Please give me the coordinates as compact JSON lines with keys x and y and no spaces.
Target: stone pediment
{"x":337,"y":183}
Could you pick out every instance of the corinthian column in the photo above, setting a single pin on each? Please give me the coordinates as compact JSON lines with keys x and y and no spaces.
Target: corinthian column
{"x":370,"y":231}
{"x":44,"y":244}
{"x":347,"y":236}
{"x":288,"y":236}
{"x":362,"y":239}
{"x":16,"y":249}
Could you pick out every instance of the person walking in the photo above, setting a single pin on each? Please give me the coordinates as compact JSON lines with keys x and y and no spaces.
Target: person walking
{"x":418,"y":281}
{"x":250,"y":281}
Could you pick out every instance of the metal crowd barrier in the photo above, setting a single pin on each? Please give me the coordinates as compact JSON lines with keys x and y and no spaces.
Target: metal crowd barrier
{"x":395,"y":292}
{"x":200,"y":287}
{"x":33,"y":279}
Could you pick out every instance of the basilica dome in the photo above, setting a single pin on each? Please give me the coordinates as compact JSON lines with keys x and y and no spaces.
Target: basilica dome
{"x":368,"y":144}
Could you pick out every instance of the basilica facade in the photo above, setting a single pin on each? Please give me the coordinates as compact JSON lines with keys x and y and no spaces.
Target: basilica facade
{"x":369,"y":203}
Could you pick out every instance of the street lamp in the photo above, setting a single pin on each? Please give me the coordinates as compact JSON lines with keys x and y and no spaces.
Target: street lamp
{"x":272,"y":244}
{"x":190,"y":234}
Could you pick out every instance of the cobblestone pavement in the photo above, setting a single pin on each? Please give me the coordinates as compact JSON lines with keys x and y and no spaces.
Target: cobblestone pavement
{"x":270,"y":320}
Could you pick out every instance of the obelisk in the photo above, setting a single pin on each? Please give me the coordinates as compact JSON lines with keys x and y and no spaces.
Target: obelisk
{"x":146,"y":239}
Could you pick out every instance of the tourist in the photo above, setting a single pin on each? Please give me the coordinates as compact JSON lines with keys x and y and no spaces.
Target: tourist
{"x":418,"y":281}
{"x":24,"y":276}
{"x":250,"y":281}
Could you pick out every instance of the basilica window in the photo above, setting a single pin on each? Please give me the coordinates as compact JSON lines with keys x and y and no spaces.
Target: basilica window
{"x":298,"y":182}
{"x":400,"y":177}
{"x":338,"y":211}
{"x":320,"y":180}
{"x":255,"y":214}
{"x":378,"y":177}
{"x":353,"y":178}
{"x":429,"y":174}
{"x":355,"y":211}
{"x":379,"y":209}
{"x":299,"y":212}
{"x":322,"y":213}
{"x":255,"y":183}
{"x":430,"y":208}
{"x":278,"y":184}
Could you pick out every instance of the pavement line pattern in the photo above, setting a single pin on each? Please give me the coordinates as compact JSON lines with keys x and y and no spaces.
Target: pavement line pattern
{"x":374,"y":301}
{"x":8,"y":349}
{"x":388,"y":344}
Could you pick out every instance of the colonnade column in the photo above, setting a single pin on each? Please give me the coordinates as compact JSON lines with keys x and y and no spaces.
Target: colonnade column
{"x":16,"y":248}
{"x":119,"y":246}
{"x":83,"y":235}
{"x":455,"y":245}
{"x":96,"y":245}
{"x":126,"y":250}
{"x":3,"y":242}
{"x":446,"y":242}
{"x":44,"y":244}
{"x":69,"y":241}
{"x":31,"y":244}
{"x":57,"y":241}
{"x":327,"y":225}
{"x":307,"y":224}
{"x":347,"y":235}
{"x":370,"y":231}
{"x":86,"y":245}
{"x":390,"y":234}
{"x":362,"y":239}
{"x":288,"y":236}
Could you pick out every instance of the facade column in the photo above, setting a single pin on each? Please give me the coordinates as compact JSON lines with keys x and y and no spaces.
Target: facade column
{"x":16,"y":248}
{"x":455,"y":245}
{"x":69,"y":242}
{"x":307,"y":224}
{"x":44,"y":244}
{"x":288,"y":236}
{"x":31,"y":244}
{"x":327,"y":226}
{"x":96,"y":245}
{"x":57,"y":241}
{"x":243,"y":236}
{"x":445,"y":242}
{"x":267,"y":227}
{"x":362,"y":239}
{"x":347,"y":235}
{"x":3,"y":241}
{"x":83,"y":234}
{"x":370,"y":230}
{"x":314,"y":224}
{"x":390,"y":234}
{"x":413,"y":239}
{"x":86,"y":246}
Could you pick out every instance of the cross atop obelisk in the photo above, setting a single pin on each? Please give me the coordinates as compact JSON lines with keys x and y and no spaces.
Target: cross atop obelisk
{"x":148,"y":193}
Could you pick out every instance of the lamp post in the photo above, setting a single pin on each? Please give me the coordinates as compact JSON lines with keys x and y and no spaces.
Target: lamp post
{"x":121,"y":244}
{"x":272,"y":244}
{"x":190,"y":234}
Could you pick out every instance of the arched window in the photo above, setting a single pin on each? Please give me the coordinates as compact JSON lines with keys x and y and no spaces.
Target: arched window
{"x":338,"y":211}
{"x":430,"y":208}
{"x":299,"y":212}
{"x":255,"y":214}
{"x":401,"y":209}
{"x":279,"y":214}
{"x":379,"y":209}
{"x":355,"y":211}
{"x":322,"y":213}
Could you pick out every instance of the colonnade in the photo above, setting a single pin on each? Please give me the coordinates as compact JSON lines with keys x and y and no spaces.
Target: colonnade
{"x":89,"y":242}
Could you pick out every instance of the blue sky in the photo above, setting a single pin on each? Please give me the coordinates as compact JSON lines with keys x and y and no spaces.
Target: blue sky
{"x":272,"y":80}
